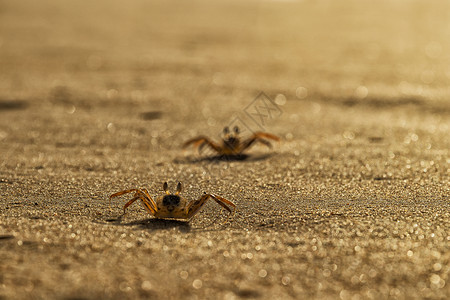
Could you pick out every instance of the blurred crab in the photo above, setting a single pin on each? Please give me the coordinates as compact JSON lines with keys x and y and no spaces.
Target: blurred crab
{"x":173,"y":206}
{"x":231,"y":144}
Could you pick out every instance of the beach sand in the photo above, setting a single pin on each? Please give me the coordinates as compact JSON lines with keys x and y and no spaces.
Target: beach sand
{"x":352,"y":203}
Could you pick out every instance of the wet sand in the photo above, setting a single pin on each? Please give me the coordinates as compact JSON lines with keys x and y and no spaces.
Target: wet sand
{"x":352,"y":203}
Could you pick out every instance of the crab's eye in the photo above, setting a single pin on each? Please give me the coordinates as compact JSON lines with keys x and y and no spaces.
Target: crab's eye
{"x":226,"y":130}
{"x":165,"y":186}
{"x":236,"y":129}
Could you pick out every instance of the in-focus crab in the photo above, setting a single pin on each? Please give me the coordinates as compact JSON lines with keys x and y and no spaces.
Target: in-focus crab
{"x":232,"y":145}
{"x":173,"y":206}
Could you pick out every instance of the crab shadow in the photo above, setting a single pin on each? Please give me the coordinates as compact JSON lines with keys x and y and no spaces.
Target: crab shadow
{"x":154,"y":224}
{"x":224,"y":158}
{"x":151,"y":224}
{"x":159,"y":224}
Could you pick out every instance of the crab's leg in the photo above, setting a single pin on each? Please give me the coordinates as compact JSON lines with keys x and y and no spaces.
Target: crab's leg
{"x":267,"y":136}
{"x":258,"y":137}
{"x":224,"y":202}
{"x":195,"y":140}
{"x":209,"y":143}
{"x":149,"y":203}
{"x":200,"y":142}
{"x":129,"y":203}
{"x":195,"y":206}
{"x":121,"y":193}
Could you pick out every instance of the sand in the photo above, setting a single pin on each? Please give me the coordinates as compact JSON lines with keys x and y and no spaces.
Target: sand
{"x":352,"y":203}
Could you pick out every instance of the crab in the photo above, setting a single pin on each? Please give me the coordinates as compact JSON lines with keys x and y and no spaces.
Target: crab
{"x":173,"y":206}
{"x":231,"y":144}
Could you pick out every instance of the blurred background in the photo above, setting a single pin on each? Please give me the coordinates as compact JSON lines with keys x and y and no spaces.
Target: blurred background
{"x":147,"y":75}
{"x":190,"y":54}
{"x":133,"y":75}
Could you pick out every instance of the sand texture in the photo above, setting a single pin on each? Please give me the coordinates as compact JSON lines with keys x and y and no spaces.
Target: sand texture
{"x":352,"y":203}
